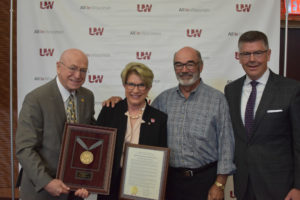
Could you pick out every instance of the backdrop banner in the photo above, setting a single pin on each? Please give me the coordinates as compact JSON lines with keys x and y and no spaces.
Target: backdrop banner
{"x":115,"y":32}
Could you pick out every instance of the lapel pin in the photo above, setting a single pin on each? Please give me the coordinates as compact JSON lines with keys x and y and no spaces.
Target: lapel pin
{"x":82,"y":100}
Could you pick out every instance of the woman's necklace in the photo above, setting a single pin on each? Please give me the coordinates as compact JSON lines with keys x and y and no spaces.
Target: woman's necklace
{"x":137,"y":115}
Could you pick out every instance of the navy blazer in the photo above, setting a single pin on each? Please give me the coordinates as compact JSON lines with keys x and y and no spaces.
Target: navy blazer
{"x":153,"y":132}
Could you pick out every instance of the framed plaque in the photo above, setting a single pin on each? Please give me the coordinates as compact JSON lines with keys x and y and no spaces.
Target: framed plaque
{"x":86,"y":157}
{"x":144,"y":173}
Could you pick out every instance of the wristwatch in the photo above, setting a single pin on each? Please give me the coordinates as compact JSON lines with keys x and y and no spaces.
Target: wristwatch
{"x":220,"y":185}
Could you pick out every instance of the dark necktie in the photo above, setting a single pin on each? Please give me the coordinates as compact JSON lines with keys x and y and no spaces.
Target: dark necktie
{"x":249,"y":113}
{"x":71,"y":112}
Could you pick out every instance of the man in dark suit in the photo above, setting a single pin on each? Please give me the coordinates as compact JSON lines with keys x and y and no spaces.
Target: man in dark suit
{"x":41,"y":124}
{"x":265,"y":113}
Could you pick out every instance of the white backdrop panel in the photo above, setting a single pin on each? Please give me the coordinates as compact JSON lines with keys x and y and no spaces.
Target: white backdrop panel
{"x":115,"y":32}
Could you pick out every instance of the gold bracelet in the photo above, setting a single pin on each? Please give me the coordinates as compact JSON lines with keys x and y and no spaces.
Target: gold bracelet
{"x":220,"y":185}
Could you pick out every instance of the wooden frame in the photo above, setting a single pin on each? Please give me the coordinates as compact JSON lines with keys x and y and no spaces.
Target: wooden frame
{"x":86,"y":157}
{"x":144,"y":173}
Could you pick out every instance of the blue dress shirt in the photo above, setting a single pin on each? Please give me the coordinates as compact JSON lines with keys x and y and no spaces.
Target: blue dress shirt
{"x":199,"y":128}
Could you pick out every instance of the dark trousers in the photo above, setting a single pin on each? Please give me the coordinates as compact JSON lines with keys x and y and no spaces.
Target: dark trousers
{"x":114,"y":188}
{"x":249,"y":195}
{"x":196,"y":187}
{"x":112,"y":196}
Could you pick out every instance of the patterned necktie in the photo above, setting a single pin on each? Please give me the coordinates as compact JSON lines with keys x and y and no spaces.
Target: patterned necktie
{"x":249,"y":113}
{"x":71,"y":113}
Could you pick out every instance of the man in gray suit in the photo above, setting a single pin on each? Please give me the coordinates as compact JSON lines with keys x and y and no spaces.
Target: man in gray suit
{"x":265,"y":113}
{"x":41,"y":124}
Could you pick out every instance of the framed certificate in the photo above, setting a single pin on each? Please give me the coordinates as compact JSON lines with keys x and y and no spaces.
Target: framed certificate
{"x":144,"y":174}
{"x":86,"y":157}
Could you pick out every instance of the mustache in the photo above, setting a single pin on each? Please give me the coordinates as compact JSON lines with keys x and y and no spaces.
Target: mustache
{"x":185,"y":74}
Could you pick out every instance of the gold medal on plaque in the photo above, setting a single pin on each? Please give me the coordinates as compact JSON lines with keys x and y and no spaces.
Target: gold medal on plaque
{"x":86,"y":157}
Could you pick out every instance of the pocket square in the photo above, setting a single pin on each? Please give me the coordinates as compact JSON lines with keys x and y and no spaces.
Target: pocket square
{"x":274,"y":111}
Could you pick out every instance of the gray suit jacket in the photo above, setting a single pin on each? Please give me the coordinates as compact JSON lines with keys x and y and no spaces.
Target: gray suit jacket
{"x":39,"y":133}
{"x":271,"y":156}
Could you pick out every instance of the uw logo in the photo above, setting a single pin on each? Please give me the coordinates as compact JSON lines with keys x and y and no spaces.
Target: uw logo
{"x":96,"y":31}
{"x":143,"y":55}
{"x":243,"y":7}
{"x":95,"y":78}
{"x":46,"y":52}
{"x":193,"y":32}
{"x":46,"y":4}
{"x":144,"y":7}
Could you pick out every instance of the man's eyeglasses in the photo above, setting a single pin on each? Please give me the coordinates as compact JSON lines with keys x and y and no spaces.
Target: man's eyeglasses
{"x":140,"y":86}
{"x":74,"y":68}
{"x":256,"y":54}
{"x":189,"y":65}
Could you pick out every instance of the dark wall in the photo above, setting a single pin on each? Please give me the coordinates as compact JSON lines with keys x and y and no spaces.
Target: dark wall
{"x":293,"y":53}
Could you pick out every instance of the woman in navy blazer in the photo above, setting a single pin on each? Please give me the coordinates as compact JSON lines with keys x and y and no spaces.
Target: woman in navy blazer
{"x":137,"y":122}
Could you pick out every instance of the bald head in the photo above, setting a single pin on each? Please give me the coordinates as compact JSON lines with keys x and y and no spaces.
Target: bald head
{"x":74,"y":54}
{"x":189,"y":52}
{"x":72,"y":68}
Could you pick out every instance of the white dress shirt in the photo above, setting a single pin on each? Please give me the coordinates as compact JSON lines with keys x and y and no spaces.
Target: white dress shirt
{"x":247,"y":88}
{"x":65,"y":96}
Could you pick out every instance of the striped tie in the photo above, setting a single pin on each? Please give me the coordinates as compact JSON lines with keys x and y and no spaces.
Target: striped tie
{"x":71,"y":113}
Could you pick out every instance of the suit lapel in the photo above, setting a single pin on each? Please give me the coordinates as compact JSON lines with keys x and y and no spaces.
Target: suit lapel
{"x":146,"y":137}
{"x":58,"y":103}
{"x":236,"y":108}
{"x":58,"y":107}
{"x":122,"y":127}
{"x":120,"y":122}
{"x":81,"y":102}
{"x":266,"y":99}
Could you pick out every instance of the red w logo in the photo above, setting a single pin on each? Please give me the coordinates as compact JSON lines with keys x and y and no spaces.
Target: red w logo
{"x":243,"y":7}
{"x":96,"y":31}
{"x":193,"y":32}
{"x":144,"y":7}
{"x":46,"y":4}
{"x":46,"y":52}
{"x":143,"y":55}
{"x":95,"y":78}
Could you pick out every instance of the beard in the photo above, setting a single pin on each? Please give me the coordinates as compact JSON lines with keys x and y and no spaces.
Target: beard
{"x":187,"y":82}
